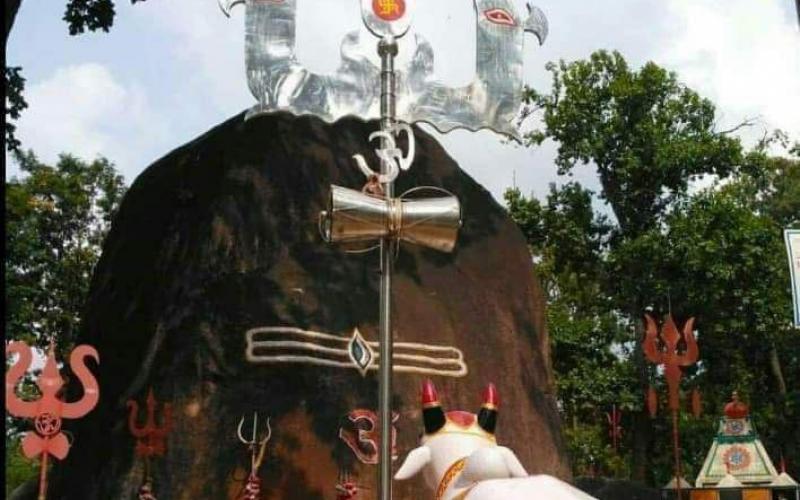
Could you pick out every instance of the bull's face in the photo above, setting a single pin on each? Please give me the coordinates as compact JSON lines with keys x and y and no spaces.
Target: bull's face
{"x":449,"y":436}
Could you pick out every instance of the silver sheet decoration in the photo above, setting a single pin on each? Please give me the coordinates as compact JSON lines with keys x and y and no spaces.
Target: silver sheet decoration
{"x":492,"y":100}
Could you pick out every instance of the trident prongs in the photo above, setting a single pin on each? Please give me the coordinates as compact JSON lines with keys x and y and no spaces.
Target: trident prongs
{"x":257,"y":448}
{"x":347,"y":487}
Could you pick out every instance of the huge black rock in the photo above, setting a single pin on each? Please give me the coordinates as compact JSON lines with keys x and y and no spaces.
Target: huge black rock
{"x":219,"y":237}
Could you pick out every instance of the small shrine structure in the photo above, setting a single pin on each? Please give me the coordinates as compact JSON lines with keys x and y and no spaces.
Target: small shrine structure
{"x":738,"y":448}
{"x":737,"y":465}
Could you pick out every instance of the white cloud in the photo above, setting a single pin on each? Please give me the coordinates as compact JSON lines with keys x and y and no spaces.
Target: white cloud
{"x":212,"y":47}
{"x":744,"y":55}
{"x":83,"y":110}
{"x":209,"y":46}
{"x":172,"y":69}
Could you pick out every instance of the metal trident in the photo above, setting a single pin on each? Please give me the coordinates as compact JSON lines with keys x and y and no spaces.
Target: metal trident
{"x":671,"y":356}
{"x":347,"y":488}
{"x":252,"y":488}
{"x":667,"y":352}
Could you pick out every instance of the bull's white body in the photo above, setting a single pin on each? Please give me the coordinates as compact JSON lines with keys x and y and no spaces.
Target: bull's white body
{"x":489,"y":472}
{"x":460,"y":459}
{"x":528,"y":488}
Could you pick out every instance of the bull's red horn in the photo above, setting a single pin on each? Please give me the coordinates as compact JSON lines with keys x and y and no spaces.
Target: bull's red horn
{"x":487,"y":417}
{"x":432,"y":413}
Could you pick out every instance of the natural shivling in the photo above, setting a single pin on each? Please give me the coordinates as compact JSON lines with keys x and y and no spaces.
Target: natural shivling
{"x":314,"y":300}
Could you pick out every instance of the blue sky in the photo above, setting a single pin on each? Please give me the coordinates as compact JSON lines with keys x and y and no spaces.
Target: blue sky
{"x":171,"y":69}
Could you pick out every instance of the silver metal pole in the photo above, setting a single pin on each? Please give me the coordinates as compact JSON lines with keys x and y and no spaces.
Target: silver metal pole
{"x":387,"y":49}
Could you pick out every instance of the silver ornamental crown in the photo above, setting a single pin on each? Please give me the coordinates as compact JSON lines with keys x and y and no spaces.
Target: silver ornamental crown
{"x":491,"y":100}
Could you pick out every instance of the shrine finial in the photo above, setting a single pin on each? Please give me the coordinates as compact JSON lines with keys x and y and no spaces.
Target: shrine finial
{"x":736,"y":408}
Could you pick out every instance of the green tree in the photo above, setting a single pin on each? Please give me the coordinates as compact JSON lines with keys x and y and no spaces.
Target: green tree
{"x":648,"y":136}
{"x":727,"y":256}
{"x":56,"y":220}
{"x":646,"y":133}
{"x":18,"y":468}
{"x":567,"y":239}
{"x":717,"y":255}
{"x":80,"y":16}
{"x":15,"y":103}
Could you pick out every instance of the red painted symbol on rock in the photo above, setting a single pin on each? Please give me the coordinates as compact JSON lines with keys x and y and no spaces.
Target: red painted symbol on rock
{"x":150,"y":438}
{"x":389,"y":10}
{"x":347,"y":488}
{"x":48,"y":410}
{"x":364,"y":435}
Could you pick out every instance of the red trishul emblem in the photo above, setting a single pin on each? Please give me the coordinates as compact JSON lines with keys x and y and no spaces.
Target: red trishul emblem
{"x":389,"y":10}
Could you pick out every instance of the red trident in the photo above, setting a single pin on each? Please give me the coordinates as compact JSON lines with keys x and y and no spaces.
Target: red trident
{"x":150,"y":438}
{"x":347,"y":488}
{"x":48,"y":410}
{"x":667,"y":352}
{"x":614,"y":418}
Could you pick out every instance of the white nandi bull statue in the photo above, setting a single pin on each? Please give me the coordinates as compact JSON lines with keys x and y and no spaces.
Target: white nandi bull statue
{"x":460,"y":459}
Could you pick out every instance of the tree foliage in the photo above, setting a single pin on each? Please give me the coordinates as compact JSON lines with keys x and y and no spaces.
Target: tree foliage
{"x":15,"y":103}
{"x":647,"y":134}
{"x":718,"y":256}
{"x":80,"y":16}
{"x":657,"y":244}
{"x":56,"y":220}
{"x":567,"y":239}
{"x":18,"y":468}
{"x":92,"y":15}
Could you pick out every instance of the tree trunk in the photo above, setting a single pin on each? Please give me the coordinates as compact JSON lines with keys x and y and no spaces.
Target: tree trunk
{"x":12,"y":7}
{"x":775,"y":365}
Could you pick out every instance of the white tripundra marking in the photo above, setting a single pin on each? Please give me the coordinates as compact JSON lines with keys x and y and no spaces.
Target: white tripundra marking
{"x":280,"y":344}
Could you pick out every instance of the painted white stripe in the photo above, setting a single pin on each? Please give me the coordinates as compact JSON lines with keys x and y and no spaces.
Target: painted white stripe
{"x":265,"y":345}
